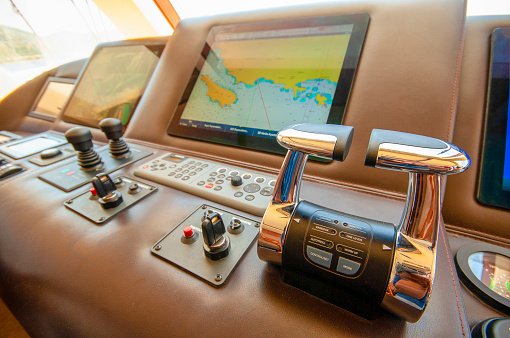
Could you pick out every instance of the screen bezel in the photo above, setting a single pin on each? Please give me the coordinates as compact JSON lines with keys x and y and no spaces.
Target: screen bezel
{"x":472,"y":282}
{"x":51,"y":79}
{"x":152,"y":43}
{"x":490,"y":184}
{"x":7,"y":147}
{"x":340,"y":98}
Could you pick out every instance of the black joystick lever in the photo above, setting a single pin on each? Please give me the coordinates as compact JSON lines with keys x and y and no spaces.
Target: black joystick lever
{"x":107,"y":191}
{"x":216,"y":245}
{"x":113,"y":130}
{"x":81,"y":139}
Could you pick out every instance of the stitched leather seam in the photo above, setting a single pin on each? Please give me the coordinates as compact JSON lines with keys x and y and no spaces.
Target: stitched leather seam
{"x":457,"y":69}
{"x":454,"y":286}
{"x":480,"y":233}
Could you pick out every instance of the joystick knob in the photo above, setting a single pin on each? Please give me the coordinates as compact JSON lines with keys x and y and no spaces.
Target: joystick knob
{"x":112,"y":128}
{"x":236,"y":181}
{"x":107,"y":191}
{"x":216,"y":245}
{"x":81,"y":139}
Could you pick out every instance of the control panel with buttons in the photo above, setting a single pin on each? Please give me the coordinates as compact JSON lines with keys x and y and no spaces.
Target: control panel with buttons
{"x":242,"y":189}
{"x":209,"y":243}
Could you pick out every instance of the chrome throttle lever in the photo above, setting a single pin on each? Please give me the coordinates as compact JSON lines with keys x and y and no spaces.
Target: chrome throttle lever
{"x":325,"y":141}
{"x":351,"y":261}
{"x":426,"y":159}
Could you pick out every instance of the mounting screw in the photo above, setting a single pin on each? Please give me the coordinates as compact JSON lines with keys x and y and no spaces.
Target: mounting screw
{"x":257,"y":225}
{"x":102,"y":219}
{"x":218,"y":278}
{"x":345,"y":224}
{"x":336,"y":221}
{"x":152,"y":188}
{"x":204,"y":207}
{"x":69,"y":202}
{"x":157,"y":247}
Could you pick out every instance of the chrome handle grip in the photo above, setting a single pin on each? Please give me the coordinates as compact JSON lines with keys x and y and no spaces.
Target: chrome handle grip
{"x":426,"y":159}
{"x":326,"y":141}
{"x":414,"y":153}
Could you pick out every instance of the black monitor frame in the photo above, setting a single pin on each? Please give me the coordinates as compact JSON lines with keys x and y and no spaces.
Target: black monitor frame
{"x":34,"y":113}
{"x":154,"y":44}
{"x":490,"y":184}
{"x":339,"y":102}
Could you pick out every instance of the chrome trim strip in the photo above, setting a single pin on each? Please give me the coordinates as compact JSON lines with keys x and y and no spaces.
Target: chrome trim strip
{"x":321,"y":145}
{"x":277,"y":217}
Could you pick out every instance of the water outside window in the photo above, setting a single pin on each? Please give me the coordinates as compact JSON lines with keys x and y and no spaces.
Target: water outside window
{"x":36,"y":36}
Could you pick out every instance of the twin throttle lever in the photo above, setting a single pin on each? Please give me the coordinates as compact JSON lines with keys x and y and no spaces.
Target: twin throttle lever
{"x":354,"y":262}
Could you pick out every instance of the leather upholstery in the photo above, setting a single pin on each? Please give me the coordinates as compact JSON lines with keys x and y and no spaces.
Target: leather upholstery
{"x":61,"y":275}
{"x":461,"y":207}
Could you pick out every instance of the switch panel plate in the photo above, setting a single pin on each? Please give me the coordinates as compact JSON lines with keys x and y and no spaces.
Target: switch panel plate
{"x":71,"y":176}
{"x":211,"y":180}
{"x":89,"y":207}
{"x":190,"y":255}
{"x":67,"y":151}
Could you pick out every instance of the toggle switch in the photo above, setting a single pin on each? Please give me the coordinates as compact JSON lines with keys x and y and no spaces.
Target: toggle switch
{"x":105,"y":188}
{"x":216,"y":245}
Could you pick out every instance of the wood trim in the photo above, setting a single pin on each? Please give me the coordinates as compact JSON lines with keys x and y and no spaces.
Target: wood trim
{"x":168,"y":12}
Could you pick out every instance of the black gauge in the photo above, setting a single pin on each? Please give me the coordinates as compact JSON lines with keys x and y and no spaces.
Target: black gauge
{"x":485,"y":270}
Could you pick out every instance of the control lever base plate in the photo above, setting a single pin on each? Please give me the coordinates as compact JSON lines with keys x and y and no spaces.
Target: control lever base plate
{"x":191,"y":258}
{"x":89,"y":207}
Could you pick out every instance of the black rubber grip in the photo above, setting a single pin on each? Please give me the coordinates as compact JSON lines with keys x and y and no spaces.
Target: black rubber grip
{"x":342,"y":133}
{"x":380,"y":136}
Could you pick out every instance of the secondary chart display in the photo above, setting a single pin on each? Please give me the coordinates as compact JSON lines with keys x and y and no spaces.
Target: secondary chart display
{"x":255,"y":79}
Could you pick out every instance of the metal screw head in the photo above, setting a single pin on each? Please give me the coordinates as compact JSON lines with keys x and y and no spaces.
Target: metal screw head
{"x":218,"y":278}
{"x":204,"y":207}
{"x":102,"y":219}
{"x":157,"y":247}
{"x":69,"y":202}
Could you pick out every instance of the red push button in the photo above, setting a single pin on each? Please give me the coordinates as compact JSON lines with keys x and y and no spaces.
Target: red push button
{"x":188,"y":232}
{"x":93,"y":191}
{"x":145,"y":167}
{"x":209,"y":186}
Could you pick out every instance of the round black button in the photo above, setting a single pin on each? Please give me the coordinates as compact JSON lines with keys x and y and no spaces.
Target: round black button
{"x":236,"y":181}
{"x":251,"y":188}
{"x":49,"y":153}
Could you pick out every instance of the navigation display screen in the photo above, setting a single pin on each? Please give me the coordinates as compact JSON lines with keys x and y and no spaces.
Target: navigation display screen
{"x":252,"y":80}
{"x":112,"y":83}
{"x":494,"y":184}
{"x":52,"y":98}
